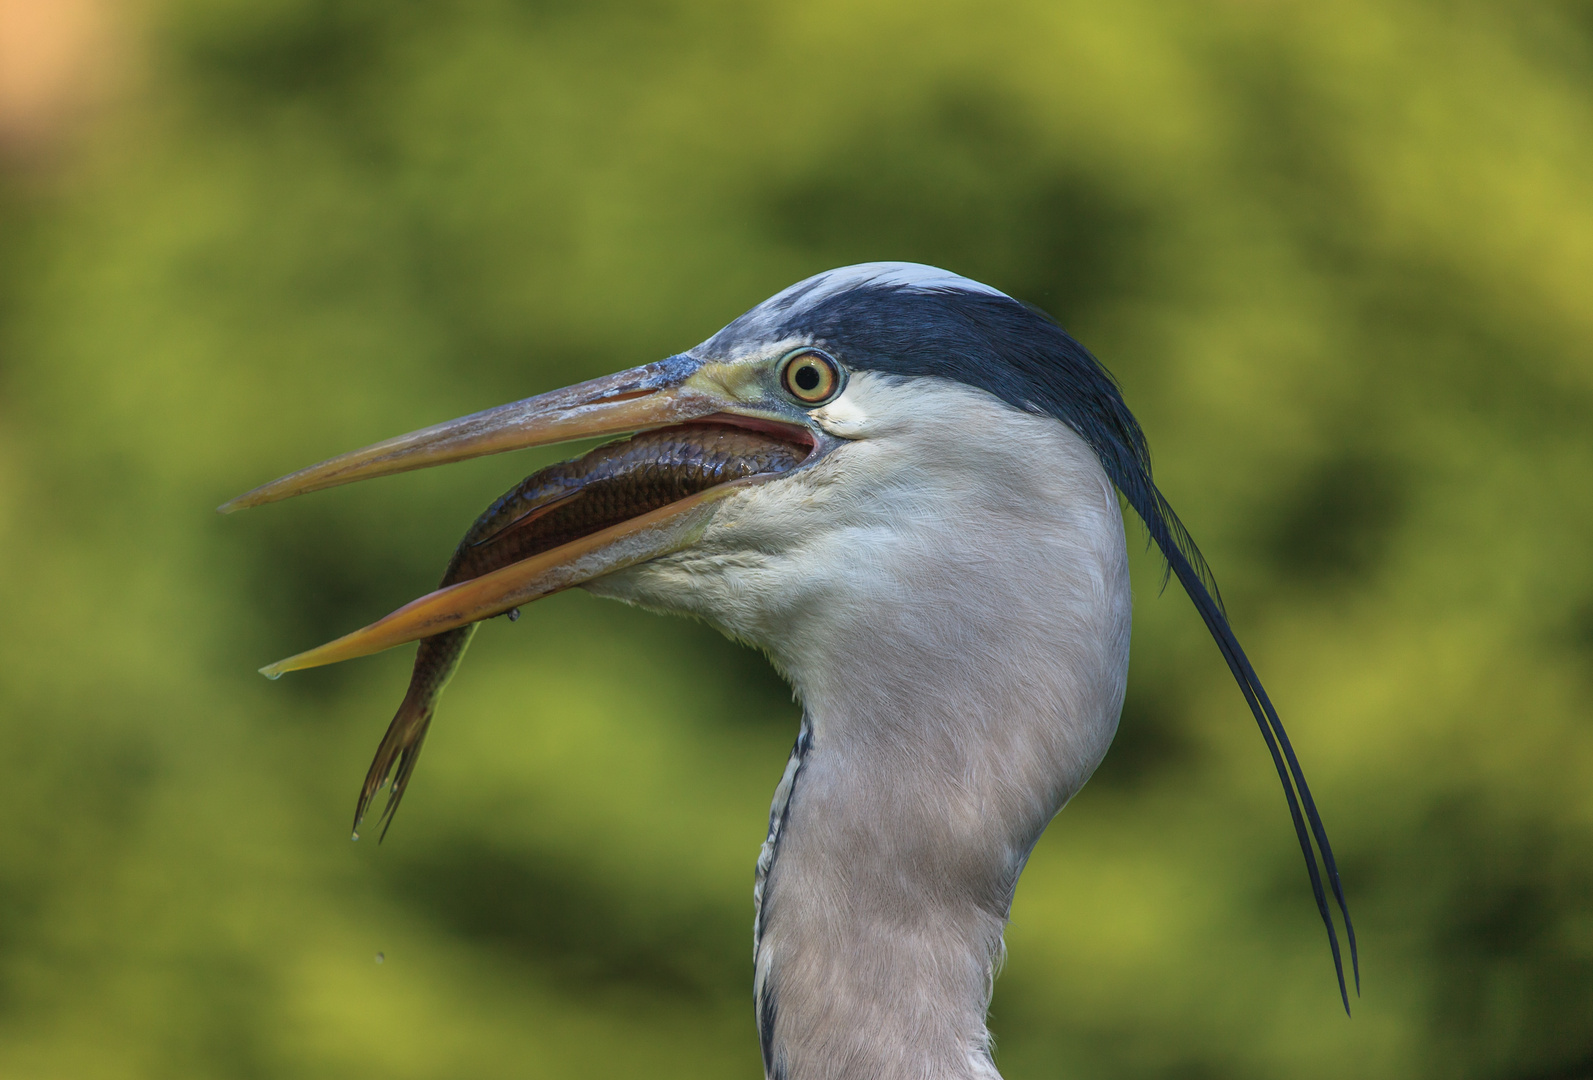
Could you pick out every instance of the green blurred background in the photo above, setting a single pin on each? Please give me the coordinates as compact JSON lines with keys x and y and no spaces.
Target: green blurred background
{"x":1340,"y":256}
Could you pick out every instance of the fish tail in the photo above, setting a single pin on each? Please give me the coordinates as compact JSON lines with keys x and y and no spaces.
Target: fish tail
{"x":435,"y":662}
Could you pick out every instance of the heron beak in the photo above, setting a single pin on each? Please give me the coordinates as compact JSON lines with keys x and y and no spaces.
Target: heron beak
{"x":654,"y":396}
{"x":665,"y":530}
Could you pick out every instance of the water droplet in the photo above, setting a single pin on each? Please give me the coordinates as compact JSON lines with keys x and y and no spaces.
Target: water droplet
{"x":381,"y":958}
{"x":514,"y":614}
{"x":356,"y":836}
{"x":272,"y":675}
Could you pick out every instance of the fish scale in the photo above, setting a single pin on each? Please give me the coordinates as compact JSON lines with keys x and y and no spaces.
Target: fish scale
{"x":553,"y":506}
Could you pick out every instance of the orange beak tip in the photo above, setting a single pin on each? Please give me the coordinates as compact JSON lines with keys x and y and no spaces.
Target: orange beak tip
{"x":239,"y":502}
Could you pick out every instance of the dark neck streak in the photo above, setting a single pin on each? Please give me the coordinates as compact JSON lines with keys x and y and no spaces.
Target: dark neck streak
{"x":763,"y":991}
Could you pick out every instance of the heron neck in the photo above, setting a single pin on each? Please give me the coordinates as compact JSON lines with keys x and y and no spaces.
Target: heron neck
{"x":874,"y":958}
{"x":939,"y":740}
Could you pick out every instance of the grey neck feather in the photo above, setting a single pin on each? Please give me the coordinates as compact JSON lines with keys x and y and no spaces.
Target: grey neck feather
{"x":949,"y":596}
{"x":907,"y":811}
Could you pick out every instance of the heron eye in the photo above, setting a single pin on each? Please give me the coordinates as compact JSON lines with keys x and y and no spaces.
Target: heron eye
{"x":810,"y":376}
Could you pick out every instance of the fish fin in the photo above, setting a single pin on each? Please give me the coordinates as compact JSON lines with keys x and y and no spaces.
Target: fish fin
{"x":396,"y":756}
{"x":406,"y":765}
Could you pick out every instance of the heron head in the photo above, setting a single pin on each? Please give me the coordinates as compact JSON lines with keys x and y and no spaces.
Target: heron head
{"x":921,"y":408}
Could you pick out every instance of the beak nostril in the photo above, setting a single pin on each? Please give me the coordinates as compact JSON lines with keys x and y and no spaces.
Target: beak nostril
{"x":629,"y":395}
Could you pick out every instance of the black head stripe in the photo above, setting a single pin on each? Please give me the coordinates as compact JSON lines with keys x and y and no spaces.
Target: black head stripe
{"x":1013,"y":351}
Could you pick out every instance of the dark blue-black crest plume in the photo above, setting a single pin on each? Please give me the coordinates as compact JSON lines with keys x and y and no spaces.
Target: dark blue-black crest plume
{"x":988,"y":340}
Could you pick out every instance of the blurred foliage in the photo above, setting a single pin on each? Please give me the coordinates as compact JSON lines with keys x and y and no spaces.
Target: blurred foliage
{"x":1339,"y":256}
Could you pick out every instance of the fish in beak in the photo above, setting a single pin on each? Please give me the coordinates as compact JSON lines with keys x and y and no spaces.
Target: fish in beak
{"x":702,"y":430}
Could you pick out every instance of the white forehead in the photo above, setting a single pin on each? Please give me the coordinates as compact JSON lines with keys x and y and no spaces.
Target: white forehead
{"x":916,"y":276}
{"x":763,"y":323}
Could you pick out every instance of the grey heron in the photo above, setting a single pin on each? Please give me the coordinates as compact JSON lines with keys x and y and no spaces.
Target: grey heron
{"x":903,"y":486}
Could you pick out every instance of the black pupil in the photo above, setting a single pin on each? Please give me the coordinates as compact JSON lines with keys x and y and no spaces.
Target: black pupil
{"x":807,"y":377}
